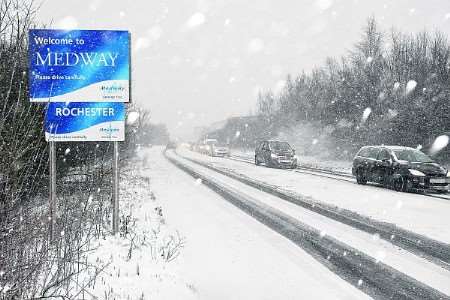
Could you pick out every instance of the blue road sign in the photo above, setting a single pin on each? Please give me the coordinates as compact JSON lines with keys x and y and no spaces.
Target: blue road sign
{"x":79,"y":65}
{"x":85,"y":121}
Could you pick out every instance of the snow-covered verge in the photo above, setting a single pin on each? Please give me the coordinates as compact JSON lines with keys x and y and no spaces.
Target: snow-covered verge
{"x":140,"y":262}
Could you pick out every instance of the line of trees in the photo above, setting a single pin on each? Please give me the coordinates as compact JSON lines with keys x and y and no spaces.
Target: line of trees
{"x":391,"y":88}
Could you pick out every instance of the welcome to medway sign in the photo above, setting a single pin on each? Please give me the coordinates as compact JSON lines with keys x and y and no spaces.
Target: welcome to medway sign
{"x":79,"y":65}
{"x":84,"y":76}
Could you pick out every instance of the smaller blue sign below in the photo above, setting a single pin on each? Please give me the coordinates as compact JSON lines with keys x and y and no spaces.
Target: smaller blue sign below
{"x":85,"y":121}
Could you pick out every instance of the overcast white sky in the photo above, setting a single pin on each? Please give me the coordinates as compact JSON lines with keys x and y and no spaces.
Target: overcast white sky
{"x":200,"y":61}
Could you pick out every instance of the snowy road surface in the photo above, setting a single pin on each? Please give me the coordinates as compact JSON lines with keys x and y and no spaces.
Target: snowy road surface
{"x":228,"y":254}
{"x":380,"y":250}
{"x":423,"y":215}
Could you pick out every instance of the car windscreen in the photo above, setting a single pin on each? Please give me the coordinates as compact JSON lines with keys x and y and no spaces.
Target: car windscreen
{"x":412,"y":155}
{"x":280,"y":146}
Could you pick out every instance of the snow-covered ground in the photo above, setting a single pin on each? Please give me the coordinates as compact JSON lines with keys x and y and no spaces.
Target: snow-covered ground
{"x":228,"y":254}
{"x":424,"y":215}
{"x":140,"y":263}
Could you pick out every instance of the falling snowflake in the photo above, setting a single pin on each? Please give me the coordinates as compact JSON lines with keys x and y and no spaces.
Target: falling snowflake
{"x":195,"y":20}
{"x":396,"y":86}
{"x":411,"y":86}
{"x":132,"y":117}
{"x":67,"y":151}
{"x":366,"y":114}
{"x":279,"y":86}
{"x":67,"y":23}
{"x":155,"y":32}
{"x":255,"y":45}
{"x":439,"y":143}
{"x":141,"y":43}
{"x":324,"y":4}
{"x":369,"y":59}
{"x":392,"y":113}
{"x":198,"y":181}
{"x":360,"y":282}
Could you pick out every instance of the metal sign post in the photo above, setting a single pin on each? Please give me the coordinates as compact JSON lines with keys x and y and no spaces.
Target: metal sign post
{"x":52,"y":190}
{"x":116,"y":188}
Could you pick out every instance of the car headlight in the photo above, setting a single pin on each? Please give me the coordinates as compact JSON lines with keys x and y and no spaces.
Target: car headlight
{"x":416,"y":172}
{"x":273,"y":155}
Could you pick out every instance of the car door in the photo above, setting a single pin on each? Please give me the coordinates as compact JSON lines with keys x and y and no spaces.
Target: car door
{"x":383,"y":167}
{"x":372,"y":164}
{"x":266,"y":152}
{"x":258,"y":152}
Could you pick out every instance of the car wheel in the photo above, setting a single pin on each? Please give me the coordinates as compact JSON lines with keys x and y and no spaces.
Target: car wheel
{"x":360,"y":179}
{"x":256,"y":161}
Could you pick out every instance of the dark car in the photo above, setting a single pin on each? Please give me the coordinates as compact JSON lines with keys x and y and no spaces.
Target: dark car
{"x":275,"y":154}
{"x":401,"y":168}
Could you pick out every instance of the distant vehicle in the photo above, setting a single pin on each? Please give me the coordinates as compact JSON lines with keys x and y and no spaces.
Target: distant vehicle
{"x":171,"y":145}
{"x":205,"y":146}
{"x":275,"y":154}
{"x":213,"y":147}
{"x":401,"y":168}
{"x":220,"y":149}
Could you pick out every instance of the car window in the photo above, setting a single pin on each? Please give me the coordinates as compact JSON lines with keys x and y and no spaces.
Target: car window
{"x":373,"y":152}
{"x":364,"y":152}
{"x":412,"y":155}
{"x":384,"y":155}
{"x":280,"y":146}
